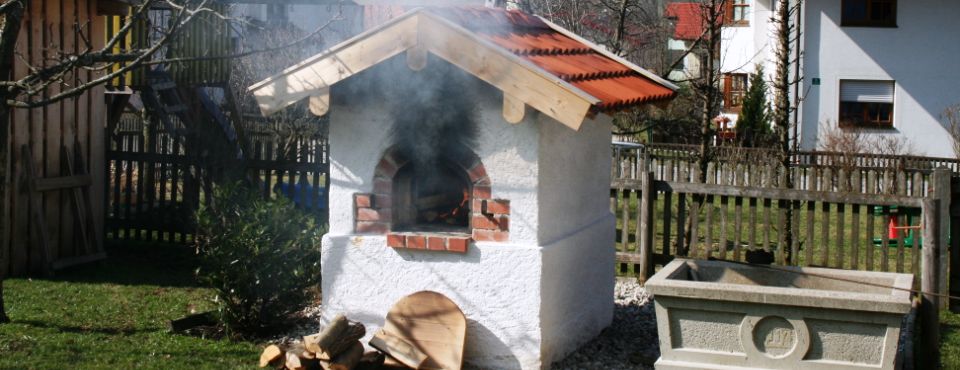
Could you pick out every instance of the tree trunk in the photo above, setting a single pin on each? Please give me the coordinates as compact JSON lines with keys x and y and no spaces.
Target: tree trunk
{"x":782,"y":107}
{"x":13,"y":19}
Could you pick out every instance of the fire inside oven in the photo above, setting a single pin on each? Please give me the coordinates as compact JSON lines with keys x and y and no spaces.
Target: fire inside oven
{"x":434,"y":199}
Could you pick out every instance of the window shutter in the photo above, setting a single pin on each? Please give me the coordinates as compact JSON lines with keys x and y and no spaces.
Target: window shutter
{"x":867,"y":91}
{"x":728,"y":12}
{"x":727,"y":89}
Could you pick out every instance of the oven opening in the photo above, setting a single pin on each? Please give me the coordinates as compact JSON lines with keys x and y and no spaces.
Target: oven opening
{"x":435,"y":199}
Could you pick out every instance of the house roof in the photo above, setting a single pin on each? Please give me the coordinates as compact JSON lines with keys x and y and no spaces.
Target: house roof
{"x":533,"y":61}
{"x":689,"y":16}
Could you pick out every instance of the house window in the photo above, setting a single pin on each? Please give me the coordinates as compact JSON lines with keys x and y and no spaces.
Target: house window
{"x":869,"y":13}
{"x":866,"y":104}
{"x":737,"y":12}
{"x":734,"y":88}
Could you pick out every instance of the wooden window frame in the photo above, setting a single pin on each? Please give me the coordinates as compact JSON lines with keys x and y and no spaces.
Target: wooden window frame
{"x":729,"y":11}
{"x":867,"y":22}
{"x":730,"y":95}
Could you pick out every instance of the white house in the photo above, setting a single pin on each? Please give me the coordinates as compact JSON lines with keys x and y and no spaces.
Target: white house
{"x":882,"y":67}
{"x":687,"y":21}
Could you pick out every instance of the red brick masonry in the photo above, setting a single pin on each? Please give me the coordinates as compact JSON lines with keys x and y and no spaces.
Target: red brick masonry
{"x":489,"y":218}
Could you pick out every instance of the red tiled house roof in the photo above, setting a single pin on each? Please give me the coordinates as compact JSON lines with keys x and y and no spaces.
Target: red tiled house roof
{"x":689,"y":20}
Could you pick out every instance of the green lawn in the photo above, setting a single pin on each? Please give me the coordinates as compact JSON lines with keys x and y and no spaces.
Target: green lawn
{"x":114,"y":316}
{"x":950,"y":340}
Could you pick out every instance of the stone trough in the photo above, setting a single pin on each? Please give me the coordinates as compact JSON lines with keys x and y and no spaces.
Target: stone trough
{"x":722,"y":315}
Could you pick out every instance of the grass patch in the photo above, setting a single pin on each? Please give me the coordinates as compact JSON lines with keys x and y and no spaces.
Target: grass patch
{"x":949,"y":339}
{"x":115,"y":315}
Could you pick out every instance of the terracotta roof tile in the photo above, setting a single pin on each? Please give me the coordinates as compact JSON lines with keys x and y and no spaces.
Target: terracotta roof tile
{"x":616,"y":85}
{"x":689,"y":20}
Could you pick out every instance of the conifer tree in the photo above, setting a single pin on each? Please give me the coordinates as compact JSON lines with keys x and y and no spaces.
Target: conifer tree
{"x":753,"y":124}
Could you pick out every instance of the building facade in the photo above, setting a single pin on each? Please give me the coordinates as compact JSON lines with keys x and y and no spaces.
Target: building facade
{"x":875,"y":67}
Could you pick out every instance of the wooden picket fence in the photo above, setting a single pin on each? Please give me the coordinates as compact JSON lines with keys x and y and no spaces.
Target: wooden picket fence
{"x":761,"y":221}
{"x":155,"y":185}
{"x":819,"y":171}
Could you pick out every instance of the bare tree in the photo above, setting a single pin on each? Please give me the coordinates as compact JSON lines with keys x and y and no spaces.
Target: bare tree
{"x":63,"y":73}
{"x":951,"y":117}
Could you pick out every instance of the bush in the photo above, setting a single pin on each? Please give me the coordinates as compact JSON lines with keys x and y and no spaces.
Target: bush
{"x":261,"y":256}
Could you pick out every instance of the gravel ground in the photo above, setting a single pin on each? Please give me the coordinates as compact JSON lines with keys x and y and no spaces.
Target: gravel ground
{"x":629,"y":343}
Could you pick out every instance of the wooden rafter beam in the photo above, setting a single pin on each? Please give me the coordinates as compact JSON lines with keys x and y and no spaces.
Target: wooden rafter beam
{"x":317,"y":73}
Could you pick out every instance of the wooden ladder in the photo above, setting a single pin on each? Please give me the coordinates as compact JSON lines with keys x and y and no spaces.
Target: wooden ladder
{"x":78,"y":182}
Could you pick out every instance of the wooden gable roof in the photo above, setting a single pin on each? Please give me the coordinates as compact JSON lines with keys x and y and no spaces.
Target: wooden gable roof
{"x":510,"y":50}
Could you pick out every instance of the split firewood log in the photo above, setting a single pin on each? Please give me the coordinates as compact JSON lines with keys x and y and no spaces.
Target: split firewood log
{"x":335,"y":339}
{"x":294,"y":363}
{"x":270,"y":355}
{"x":346,"y":360}
{"x":399,"y":349}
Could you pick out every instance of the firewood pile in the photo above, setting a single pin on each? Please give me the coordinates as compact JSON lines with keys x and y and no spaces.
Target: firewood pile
{"x":338,"y":347}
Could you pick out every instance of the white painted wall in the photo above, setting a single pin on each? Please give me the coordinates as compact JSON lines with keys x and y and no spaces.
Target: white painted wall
{"x":920,"y":55}
{"x":529,"y":301}
{"x":576,"y":230}
{"x":743,"y":47}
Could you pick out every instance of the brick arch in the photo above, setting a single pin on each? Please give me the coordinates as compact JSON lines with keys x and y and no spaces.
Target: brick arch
{"x":489,"y":219}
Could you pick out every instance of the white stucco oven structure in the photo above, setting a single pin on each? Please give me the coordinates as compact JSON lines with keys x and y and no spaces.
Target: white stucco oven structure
{"x":528,"y":258}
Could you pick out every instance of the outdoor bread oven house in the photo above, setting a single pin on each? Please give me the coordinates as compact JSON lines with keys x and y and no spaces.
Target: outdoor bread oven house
{"x":470,"y":155}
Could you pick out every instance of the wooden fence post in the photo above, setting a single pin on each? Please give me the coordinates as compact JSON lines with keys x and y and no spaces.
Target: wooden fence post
{"x":942,"y":187}
{"x":930,"y":302}
{"x":954,"y":243}
{"x":645,"y":236}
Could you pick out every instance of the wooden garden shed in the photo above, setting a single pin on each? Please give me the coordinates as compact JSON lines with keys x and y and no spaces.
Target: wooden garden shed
{"x":43,"y":141}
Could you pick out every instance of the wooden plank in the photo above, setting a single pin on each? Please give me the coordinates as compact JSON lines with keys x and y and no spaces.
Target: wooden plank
{"x":624,"y":224}
{"x":767,"y":224}
{"x":694,"y":241}
{"x":724,"y":208}
{"x":885,"y":241}
{"x":666,"y":221}
{"x":50,"y":160}
{"x":737,"y":226}
{"x":752,"y":225}
{"x":92,"y":131}
{"x":38,"y":228}
{"x":645,"y":228}
{"x":708,"y":232}
{"x":855,"y":238}
{"x":930,"y":303}
{"x":841,"y":220}
{"x":70,"y":243}
{"x":774,"y":194}
{"x":870,"y":235}
{"x":128,"y":187}
{"x":941,"y":179}
{"x":62,"y":182}
{"x":37,"y":21}
{"x":782,"y":231}
{"x":825,"y":234}
{"x":681,"y":225}
{"x":346,"y":59}
{"x":795,"y":233}
{"x":901,"y":221}
{"x":443,"y":349}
